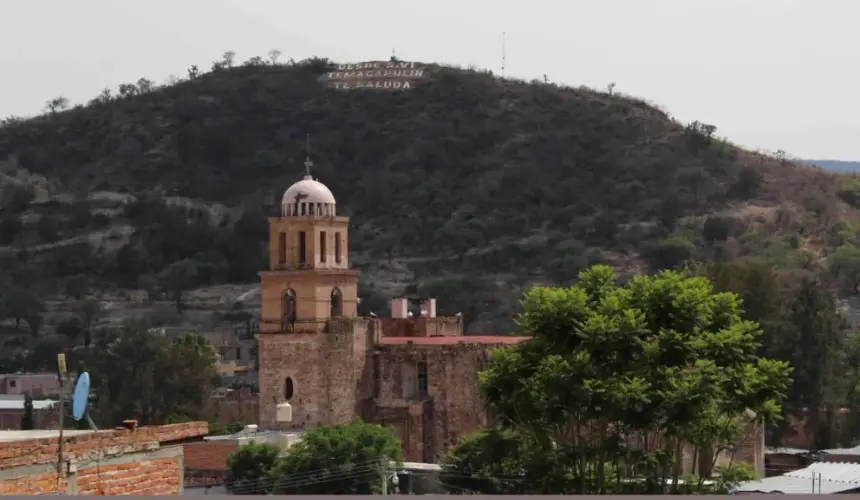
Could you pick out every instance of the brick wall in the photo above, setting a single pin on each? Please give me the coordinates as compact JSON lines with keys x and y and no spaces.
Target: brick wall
{"x":104,"y":462}
{"x":160,"y":476}
{"x":208,"y":456}
{"x":39,"y":484}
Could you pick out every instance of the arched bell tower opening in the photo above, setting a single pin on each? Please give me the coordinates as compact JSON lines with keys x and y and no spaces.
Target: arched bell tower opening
{"x":336,"y":302}
{"x":289,"y":308}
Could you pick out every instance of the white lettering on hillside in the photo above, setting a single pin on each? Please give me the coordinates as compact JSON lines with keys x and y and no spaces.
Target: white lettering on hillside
{"x":390,"y":75}
{"x":372,"y":84}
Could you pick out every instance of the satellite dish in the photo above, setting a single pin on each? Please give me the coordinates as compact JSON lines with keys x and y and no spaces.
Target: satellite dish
{"x":81,"y":397}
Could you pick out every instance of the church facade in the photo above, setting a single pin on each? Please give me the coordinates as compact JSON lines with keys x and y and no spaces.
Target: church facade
{"x":413,"y":371}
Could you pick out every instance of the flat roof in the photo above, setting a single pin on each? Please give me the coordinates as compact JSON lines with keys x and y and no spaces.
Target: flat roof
{"x":251,"y":435}
{"x":10,"y":436}
{"x":18,"y":404}
{"x":466,"y":339}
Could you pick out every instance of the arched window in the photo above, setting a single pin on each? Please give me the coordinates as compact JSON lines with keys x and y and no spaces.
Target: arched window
{"x":288,"y":318}
{"x":336,"y":303}
{"x":288,"y":388}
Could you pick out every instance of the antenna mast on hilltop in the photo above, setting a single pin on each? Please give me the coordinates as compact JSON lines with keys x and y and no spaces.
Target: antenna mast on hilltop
{"x":504,"y":55}
{"x":308,"y":162}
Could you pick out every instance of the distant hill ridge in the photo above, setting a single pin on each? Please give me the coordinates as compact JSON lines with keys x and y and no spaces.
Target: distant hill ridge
{"x":836,"y":165}
{"x":468,"y":187}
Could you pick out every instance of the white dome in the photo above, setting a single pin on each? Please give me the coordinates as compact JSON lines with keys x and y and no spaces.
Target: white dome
{"x":308,"y":197}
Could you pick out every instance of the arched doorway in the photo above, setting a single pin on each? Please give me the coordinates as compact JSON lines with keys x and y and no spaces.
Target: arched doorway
{"x":288,"y":320}
{"x":336,"y":303}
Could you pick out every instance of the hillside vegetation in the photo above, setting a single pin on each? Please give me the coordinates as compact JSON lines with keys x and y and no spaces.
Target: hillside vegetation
{"x":468,"y":187}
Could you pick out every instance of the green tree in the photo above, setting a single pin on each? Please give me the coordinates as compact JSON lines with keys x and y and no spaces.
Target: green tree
{"x":250,"y":469}
{"x":10,"y":228}
{"x":572,"y":256}
{"x":338,"y":459}
{"x":148,"y":284}
{"x":57,"y":104}
{"x":76,"y":285}
{"x":70,"y":327}
{"x":89,"y":310}
{"x":502,"y":461}
{"x":610,"y":366}
{"x":23,"y":304}
{"x":470,"y":295}
{"x":845,"y":264}
{"x":801,"y":325}
{"x":817,"y":340}
{"x":145,"y":375}
{"x":177,"y":279}
{"x":27,"y":422}
{"x":372,"y":299}
{"x":47,"y":229}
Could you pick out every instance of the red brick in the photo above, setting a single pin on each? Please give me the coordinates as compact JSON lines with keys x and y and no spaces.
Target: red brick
{"x":146,"y":477}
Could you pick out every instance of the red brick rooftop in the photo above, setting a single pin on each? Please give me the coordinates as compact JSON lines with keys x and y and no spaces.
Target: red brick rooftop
{"x":36,"y":447}
{"x":466,"y":339}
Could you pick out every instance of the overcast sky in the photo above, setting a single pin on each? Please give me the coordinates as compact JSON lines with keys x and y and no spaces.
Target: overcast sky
{"x":770,"y":74}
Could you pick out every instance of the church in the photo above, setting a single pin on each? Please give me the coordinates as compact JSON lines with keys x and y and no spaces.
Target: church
{"x":413,"y":371}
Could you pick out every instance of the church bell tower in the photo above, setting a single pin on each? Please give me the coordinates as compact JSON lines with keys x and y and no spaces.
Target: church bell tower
{"x":309,"y":280}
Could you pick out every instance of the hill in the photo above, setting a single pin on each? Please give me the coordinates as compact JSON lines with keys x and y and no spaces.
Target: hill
{"x":836,"y":165}
{"x":467,"y":187}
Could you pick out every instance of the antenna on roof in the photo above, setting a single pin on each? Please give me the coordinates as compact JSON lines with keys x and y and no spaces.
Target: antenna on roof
{"x":81,"y":400}
{"x":308,"y":162}
{"x":504,"y":55}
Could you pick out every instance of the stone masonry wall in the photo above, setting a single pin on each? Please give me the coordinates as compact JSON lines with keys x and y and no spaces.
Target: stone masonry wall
{"x":329,"y":374}
{"x":452,"y":381}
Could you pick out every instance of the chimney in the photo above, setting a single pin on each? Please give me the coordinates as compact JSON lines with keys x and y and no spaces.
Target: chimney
{"x":399,"y":308}
{"x":428,"y":308}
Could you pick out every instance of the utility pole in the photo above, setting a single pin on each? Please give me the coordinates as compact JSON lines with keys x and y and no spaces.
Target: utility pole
{"x":61,"y":375}
{"x":383,"y":473}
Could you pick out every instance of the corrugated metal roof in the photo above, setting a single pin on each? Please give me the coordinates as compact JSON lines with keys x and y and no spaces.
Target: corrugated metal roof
{"x":466,"y":339}
{"x":835,"y":478}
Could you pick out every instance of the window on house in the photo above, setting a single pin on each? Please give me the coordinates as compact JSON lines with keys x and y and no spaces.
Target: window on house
{"x":13,"y":383}
{"x":337,"y":256}
{"x":238,"y":353}
{"x":422,"y":379}
{"x":282,"y":248}
{"x":323,"y":248}
{"x":303,"y":247}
